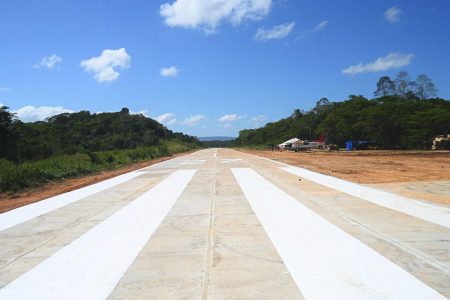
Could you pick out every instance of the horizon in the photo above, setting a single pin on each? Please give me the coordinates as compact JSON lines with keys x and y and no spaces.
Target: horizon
{"x":214,"y":71}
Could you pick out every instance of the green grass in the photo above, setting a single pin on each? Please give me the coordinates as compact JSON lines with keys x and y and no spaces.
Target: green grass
{"x":14,"y":177}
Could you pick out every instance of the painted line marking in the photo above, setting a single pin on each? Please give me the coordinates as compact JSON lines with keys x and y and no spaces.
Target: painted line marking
{"x":230,"y":160}
{"x":31,"y":211}
{"x":325,"y":262}
{"x":92,"y":265}
{"x":432,"y":213}
{"x":193,"y":162}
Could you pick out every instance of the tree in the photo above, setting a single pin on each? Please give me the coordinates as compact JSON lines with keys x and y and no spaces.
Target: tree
{"x":296,"y":114}
{"x":403,"y":84}
{"x":385,"y":87}
{"x":6,"y":130}
{"x":323,"y":102}
{"x":425,"y":88}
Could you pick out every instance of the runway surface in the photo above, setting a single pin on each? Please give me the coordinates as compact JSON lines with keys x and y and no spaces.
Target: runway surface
{"x":221,"y":224}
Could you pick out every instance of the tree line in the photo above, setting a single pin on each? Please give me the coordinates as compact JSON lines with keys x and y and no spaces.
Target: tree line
{"x":80,"y":132}
{"x":404,"y":114}
{"x":402,"y":86}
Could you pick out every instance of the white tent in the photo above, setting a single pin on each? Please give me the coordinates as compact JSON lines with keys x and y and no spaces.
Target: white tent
{"x":292,"y":142}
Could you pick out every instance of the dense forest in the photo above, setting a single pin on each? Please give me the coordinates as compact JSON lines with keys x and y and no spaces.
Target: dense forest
{"x":72,"y":144}
{"x":70,"y":133}
{"x":404,"y":115}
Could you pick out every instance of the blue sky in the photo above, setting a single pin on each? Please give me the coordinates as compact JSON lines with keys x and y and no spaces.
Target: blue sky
{"x":216,"y":69}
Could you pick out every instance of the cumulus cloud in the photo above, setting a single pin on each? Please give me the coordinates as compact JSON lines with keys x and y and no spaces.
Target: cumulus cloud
{"x":391,"y":61}
{"x":31,"y":113}
{"x":170,"y":71}
{"x":230,"y":118}
{"x":193,"y":120}
{"x":392,"y":14}
{"x":276,"y":33}
{"x":166,"y":119}
{"x":48,"y":62}
{"x":106,"y":66}
{"x":209,"y":14}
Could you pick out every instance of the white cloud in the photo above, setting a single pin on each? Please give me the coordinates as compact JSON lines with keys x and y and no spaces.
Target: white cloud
{"x":392,"y":14}
{"x":170,"y":72}
{"x":391,"y":61}
{"x":230,"y":118}
{"x":31,"y":113}
{"x":193,"y":120}
{"x":258,"y":120}
{"x":166,"y":119}
{"x":208,"y":14}
{"x":4,"y":89}
{"x":276,"y":33}
{"x":319,"y":27}
{"x":143,"y":112}
{"x":105,"y":67}
{"x":48,"y":62}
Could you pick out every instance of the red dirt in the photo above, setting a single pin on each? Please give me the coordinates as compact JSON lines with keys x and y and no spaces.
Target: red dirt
{"x":369,"y":166}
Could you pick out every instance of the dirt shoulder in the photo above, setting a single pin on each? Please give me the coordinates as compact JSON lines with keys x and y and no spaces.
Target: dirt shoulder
{"x":9,"y":202}
{"x":369,"y":167}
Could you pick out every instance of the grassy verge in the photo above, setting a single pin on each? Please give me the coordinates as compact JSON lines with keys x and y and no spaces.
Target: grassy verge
{"x":14,"y":177}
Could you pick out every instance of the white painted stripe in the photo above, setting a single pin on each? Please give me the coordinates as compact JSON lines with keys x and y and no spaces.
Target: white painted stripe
{"x":325,"y":262}
{"x":92,"y":265}
{"x":230,"y":160}
{"x":193,"y":162}
{"x":432,"y":213}
{"x":31,"y":211}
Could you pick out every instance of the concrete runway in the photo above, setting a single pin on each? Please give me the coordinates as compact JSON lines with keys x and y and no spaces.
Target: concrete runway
{"x":220,"y":224}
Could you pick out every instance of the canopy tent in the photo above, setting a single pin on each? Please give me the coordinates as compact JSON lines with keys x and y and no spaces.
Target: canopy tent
{"x":290,"y":142}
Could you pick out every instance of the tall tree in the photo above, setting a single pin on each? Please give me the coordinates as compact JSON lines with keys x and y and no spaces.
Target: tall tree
{"x":385,"y":87}
{"x":403,"y":84}
{"x":296,"y":114}
{"x":425,"y":88}
{"x":6,"y":130}
{"x":323,"y":102}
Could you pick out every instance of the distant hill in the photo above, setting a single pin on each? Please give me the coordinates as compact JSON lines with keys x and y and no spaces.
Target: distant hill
{"x":80,"y":132}
{"x":216,"y":138}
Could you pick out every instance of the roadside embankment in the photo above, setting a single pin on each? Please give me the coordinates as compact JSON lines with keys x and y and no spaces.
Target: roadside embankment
{"x":43,"y":179}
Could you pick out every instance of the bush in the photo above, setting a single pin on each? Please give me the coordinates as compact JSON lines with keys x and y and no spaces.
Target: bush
{"x":16,"y":176}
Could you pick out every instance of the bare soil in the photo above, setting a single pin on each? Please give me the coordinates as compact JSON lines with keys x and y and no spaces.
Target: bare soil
{"x":11,"y":201}
{"x":369,"y":167}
